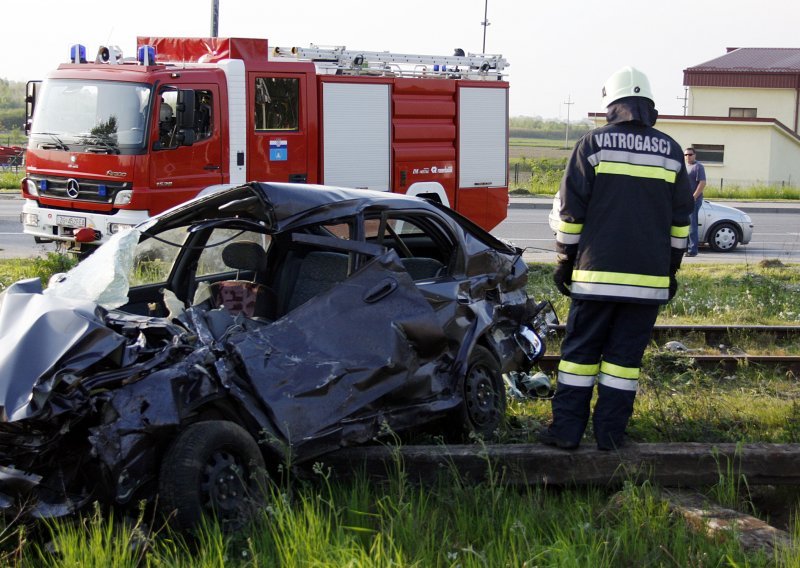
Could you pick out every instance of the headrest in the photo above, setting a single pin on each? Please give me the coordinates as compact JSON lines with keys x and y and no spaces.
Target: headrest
{"x":244,"y":255}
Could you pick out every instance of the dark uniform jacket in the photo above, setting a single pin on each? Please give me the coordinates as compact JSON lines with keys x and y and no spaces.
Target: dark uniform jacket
{"x":625,"y":208}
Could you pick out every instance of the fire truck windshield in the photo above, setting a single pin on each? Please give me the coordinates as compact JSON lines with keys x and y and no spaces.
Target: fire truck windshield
{"x":91,"y":116}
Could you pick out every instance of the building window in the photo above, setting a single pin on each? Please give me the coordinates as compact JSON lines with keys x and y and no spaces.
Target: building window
{"x":277,"y":103}
{"x":709,"y":153}
{"x":740,"y":112}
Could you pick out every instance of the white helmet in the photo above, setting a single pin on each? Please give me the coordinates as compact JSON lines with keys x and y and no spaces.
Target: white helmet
{"x":627,"y":82}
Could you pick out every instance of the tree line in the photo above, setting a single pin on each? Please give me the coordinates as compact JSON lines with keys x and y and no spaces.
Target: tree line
{"x":12,"y":105}
{"x":552,"y":129}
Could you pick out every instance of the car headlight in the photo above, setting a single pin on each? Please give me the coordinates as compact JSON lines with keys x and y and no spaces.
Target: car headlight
{"x":32,"y":188}
{"x":114,"y":228}
{"x":746,"y":218}
{"x":123,"y":197}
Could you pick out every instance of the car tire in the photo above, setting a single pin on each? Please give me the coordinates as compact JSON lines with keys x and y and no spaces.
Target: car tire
{"x":212,"y":468}
{"x":484,"y":407}
{"x":723,"y":237}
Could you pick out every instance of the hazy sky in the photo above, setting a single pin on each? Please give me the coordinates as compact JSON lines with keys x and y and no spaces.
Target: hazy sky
{"x":557,"y":50}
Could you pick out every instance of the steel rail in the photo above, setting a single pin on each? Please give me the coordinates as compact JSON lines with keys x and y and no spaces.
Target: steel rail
{"x":715,"y":335}
{"x":730,"y":362}
{"x":714,"y":330}
{"x":681,"y":464}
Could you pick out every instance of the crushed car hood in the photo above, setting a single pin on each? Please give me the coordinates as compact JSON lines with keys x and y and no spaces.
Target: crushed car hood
{"x":45,"y":339}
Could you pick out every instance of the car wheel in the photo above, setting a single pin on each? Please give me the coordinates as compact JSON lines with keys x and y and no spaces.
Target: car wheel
{"x":723,"y":237}
{"x":212,"y":468}
{"x":484,"y":408}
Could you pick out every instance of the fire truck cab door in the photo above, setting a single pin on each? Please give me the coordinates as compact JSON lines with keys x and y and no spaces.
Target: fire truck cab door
{"x":278,"y":143}
{"x":178,"y":172}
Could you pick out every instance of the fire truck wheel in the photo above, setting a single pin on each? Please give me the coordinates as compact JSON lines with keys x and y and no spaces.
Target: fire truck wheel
{"x":212,"y":468}
{"x":484,"y":407}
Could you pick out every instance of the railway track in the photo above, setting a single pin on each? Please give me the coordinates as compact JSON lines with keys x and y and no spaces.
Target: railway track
{"x":716,"y":336}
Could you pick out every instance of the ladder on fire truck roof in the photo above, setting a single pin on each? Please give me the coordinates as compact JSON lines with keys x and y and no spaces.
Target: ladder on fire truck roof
{"x":340,"y":60}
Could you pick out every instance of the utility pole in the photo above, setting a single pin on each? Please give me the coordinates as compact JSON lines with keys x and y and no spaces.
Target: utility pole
{"x":569,"y":103}
{"x":214,"y":18}
{"x":685,"y":99}
{"x":485,"y":22}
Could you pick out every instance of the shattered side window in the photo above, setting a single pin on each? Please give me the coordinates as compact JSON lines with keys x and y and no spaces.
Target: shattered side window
{"x":210,"y":261}
{"x":340,"y":230}
{"x":153,"y":258}
{"x":402,"y":227}
{"x":399,"y":226}
{"x":424,"y":246}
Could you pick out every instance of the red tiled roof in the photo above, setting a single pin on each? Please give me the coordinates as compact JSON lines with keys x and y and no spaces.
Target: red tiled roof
{"x":753,"y":67}
{"x":754,"y":59}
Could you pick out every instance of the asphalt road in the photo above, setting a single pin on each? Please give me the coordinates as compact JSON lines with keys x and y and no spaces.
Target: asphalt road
{"x":776,"y":235}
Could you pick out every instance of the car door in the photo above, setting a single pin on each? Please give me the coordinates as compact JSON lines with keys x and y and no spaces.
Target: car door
{"x":178,"y":172}
{"x":704,"y":221}
{"x":279,"y":143}
{"x":350,"y":357}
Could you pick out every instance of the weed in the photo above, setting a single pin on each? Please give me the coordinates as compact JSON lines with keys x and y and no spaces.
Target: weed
{"x":11,"y":179}
{"x":41,"y":267}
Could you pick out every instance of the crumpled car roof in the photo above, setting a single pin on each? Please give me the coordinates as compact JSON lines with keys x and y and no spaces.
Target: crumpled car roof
{"x":285,"y":204}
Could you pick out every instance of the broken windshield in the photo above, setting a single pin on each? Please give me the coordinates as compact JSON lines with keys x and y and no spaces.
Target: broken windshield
{"x":93,"y":116}
{"x":104,"y":277}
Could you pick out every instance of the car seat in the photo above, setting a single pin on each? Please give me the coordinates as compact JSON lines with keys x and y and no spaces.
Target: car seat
{"x":246,"y":297}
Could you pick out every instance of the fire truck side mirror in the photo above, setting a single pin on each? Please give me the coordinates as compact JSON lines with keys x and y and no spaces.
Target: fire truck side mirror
{"x":30,"y":103}
{"x":185,"y":109}
{"x":184,"y":115}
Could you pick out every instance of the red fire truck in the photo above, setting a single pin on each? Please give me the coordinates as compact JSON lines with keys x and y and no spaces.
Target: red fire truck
{"x":11,"y":156}
{"x":115,"y":140}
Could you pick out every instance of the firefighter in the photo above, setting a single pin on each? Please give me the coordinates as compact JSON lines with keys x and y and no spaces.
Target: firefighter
{"x":625,"y":208}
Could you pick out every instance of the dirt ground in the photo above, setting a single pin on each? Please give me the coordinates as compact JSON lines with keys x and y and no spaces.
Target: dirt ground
{"x":537,"y":152}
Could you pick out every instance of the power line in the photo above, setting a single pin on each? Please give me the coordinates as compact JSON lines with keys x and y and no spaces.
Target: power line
{"x":569,"y":103}
{"x":214,"y":18}
{"x":485,"y":23}
{"x":685,"y":99}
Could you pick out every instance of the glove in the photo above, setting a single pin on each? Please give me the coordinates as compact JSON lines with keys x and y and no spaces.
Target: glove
{"x":563,"y":274}
{"x":673,"y":286}
{"x":676,"y":256}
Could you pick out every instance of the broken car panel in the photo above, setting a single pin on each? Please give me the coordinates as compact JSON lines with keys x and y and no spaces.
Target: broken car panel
{"x":303,"y":318}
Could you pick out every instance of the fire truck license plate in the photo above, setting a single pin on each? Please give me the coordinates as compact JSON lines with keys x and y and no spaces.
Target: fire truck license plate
{"x":67,"y":221}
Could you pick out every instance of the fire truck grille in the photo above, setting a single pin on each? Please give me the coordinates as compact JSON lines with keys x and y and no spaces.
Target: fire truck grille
{"x":79,"y":189}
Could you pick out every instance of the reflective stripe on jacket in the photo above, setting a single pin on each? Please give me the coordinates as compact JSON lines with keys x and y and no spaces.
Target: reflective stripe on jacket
{"x":625,"y":207}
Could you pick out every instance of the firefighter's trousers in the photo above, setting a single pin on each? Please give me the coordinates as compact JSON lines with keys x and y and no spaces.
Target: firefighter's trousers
{"x":604,"y":344}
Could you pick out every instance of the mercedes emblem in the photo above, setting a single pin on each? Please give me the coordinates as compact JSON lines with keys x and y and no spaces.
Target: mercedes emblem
{"x":73,"y":188}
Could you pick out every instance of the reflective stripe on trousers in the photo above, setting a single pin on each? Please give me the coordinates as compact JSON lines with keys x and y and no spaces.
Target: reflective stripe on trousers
{"x":577,"y":374}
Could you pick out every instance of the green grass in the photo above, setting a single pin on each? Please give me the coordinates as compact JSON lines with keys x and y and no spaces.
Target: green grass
{"x":755,"y":192}
{"x":12,"y":270}
{"x":763,"y":293}
{"x":325,"y":522}
{"x":751,"y":404}
{"x":537,"y":142}
{"x":546,"y":174}
{"x":446,"y":523}
{"x":11,"y":179}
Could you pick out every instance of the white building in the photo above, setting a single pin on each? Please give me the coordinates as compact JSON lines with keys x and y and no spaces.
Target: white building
{"x":742,"y":117}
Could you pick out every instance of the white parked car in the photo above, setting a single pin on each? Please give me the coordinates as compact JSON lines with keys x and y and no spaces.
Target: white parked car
{"x":721,"y":227}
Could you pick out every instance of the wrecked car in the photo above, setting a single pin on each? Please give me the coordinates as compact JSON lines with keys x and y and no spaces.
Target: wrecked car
{"x":260,"y":325}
